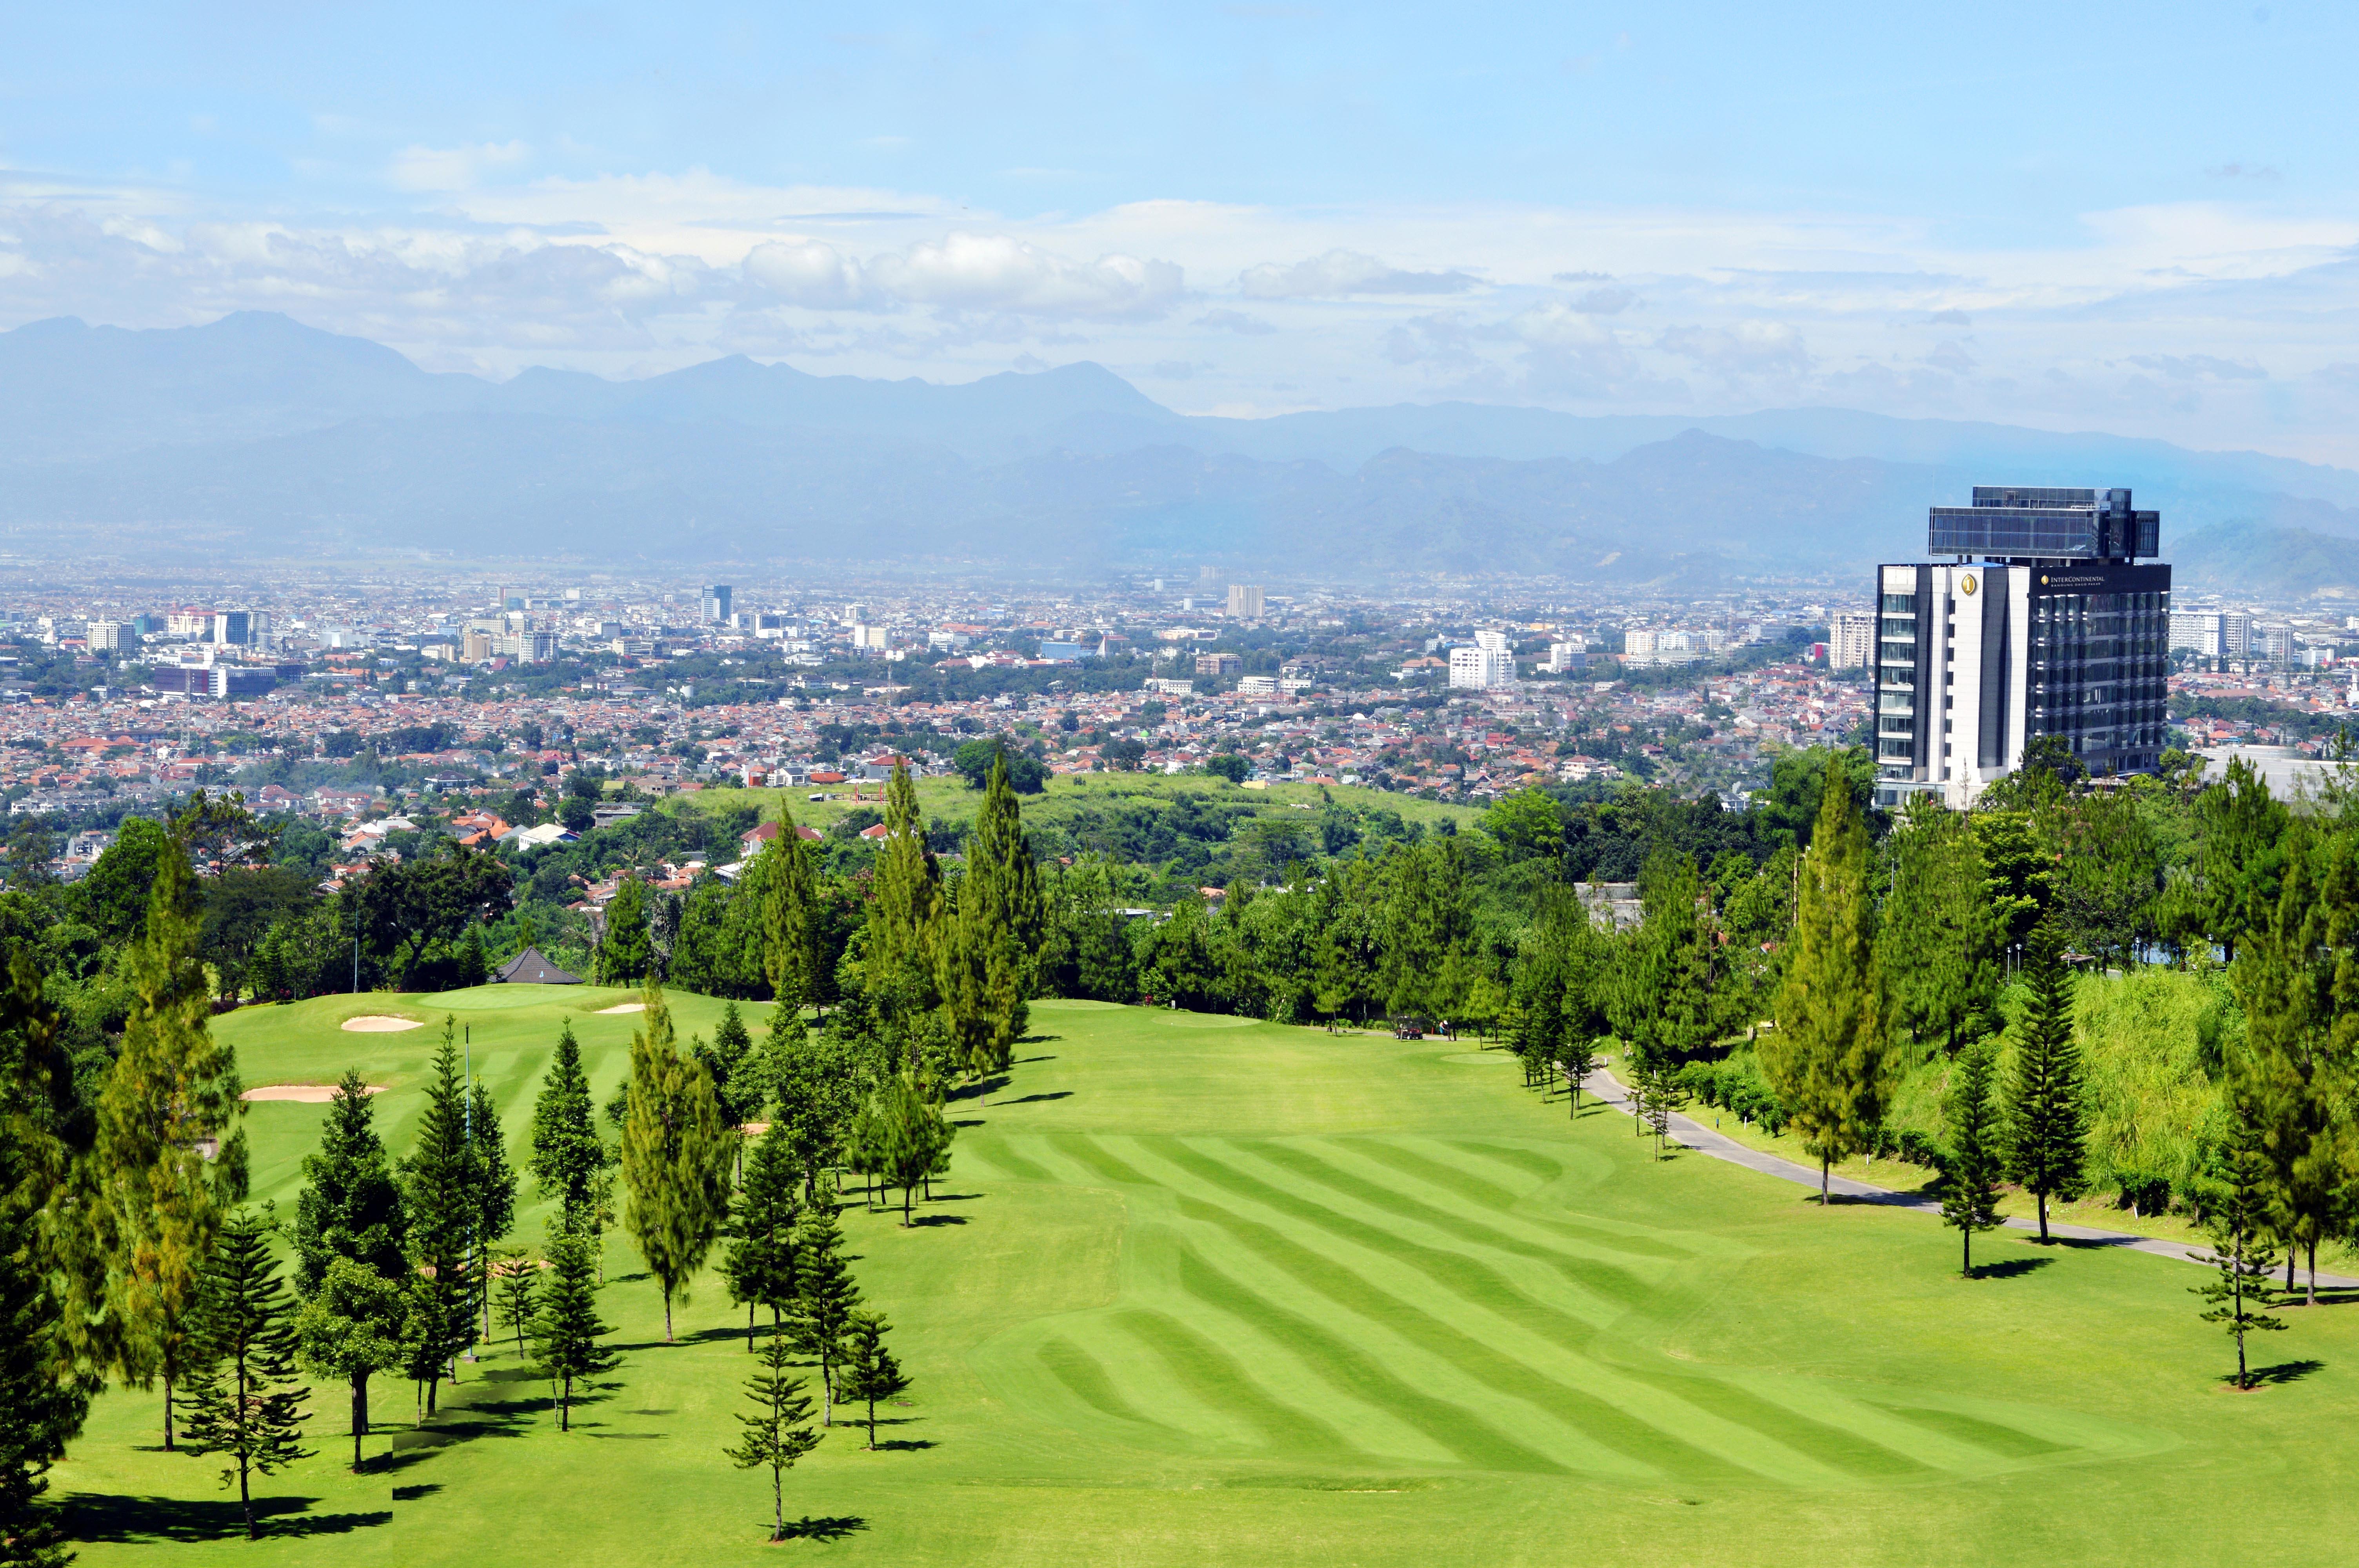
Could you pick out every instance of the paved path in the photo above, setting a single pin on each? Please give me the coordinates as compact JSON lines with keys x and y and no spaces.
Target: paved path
{"x":1704,"y":1141}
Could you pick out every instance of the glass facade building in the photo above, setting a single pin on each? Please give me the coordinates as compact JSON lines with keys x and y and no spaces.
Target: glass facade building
{"x":2044,"y":624}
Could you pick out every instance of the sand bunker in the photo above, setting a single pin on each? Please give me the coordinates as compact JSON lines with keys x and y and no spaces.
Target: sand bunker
{"x":626,"y":1007}
{"x":301,"y":1094}
{"x":380,"y":1024}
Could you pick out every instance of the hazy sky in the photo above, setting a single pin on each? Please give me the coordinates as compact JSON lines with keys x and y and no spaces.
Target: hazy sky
{"x":2136,"y":218}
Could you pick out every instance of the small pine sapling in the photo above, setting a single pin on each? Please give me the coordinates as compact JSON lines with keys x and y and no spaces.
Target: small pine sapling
{"x":870,"y":1373}
{"x":778,"y":1432}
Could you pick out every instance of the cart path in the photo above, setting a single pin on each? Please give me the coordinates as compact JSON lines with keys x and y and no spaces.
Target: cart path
{"x":1704,"y":1141}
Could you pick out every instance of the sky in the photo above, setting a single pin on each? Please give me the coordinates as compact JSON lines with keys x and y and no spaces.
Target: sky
{"x":2141,"y":219}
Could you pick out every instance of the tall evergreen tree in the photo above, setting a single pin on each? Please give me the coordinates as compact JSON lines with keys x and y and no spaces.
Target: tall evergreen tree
{"x":1000,"y":923}
{"x":437,"y":1191}
{"x":677,"y":1151}
{"x":813,"y":1091}
{"x":519,"y":1291}
{"x":1970,"y":1201}
{"x":778,"y":1433}
{"x":905,"y":921}
{"x":2237,"y":1227}
{"x":2046,"y":1126}
{"x":825,"y":1296}
{"x":760,"y":1263}
{"x":626,"y":953}
{"x":793,"y":944}
{"x":907,"y":1138}
{"x":41,"y":1407}
{"x":870,"y":1372}
{"x":350,"y":1326}
{"x":1827,"y":1059}
{"x":151,"y":1208}
{"x":568,"y":1155}
{"x":491,"y":1188}
{"x":568,"y":1332}
{"x":1940,"y":933}
{"x":350,"y":1203}
{"x":242,"y":1400}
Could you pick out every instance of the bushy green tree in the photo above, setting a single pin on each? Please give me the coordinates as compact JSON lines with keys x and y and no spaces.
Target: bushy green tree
{"x":626,"y":953}
{"x":1940,"y":936}
{"x":242,"y":1399}
{"x":351,"y":1327}
{"x":42,"y":1403}
{"x":350,"y":1203}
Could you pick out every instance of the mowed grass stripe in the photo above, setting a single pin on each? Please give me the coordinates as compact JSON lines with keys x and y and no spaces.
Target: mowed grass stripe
{"x":1840,"y":1446}
{"x":1164,"y":1396}
{"x":1456,"y":1428}
{"x":1591,"y":1432}
{"x":1085,"y":1376}
{"x":1219,"y":1379}
{"x":1629,"y":1415}
{"x":996,"y":1153}
{"x":1407,"y":1156}
{"x":1612,"y":1290}
{"x":2006,"y":1441}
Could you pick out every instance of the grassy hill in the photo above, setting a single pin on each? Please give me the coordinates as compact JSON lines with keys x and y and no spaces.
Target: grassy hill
{"x":1205,"y":1290}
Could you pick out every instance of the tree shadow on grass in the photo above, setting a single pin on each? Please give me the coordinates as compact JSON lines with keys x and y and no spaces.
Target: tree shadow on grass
{"x":411,"y":1494}
{"x":102,"y":1518}
{"x":1032,"y":1099}
{"x":2283,"y":1372}
{"x":693,"y":1336}
{"x":2010,"y":1268}
{"x":832,"y":1526}
{"x":926,"y":1220}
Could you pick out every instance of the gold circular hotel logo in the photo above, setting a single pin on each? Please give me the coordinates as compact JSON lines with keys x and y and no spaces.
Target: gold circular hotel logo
{"x":1966,"y":584}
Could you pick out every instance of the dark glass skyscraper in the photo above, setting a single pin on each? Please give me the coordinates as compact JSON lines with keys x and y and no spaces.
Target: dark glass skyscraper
{"x":2046,"y":622}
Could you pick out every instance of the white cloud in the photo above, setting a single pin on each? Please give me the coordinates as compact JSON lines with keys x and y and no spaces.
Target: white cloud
{"x":426,"y":168}
{"x":966,"y":272}
{"x":1235,"y":321}
{"x":1743,"y":349}
{"x":1342,"y":273}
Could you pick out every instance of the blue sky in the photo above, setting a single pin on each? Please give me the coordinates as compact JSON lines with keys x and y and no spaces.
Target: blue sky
{"x":2132,"y":218}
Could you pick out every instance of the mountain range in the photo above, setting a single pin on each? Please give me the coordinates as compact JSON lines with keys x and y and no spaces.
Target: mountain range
{"x":255,"y":438}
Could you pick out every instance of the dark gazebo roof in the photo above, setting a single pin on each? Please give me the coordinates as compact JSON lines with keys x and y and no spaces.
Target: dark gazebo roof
{"x":530,"y":969}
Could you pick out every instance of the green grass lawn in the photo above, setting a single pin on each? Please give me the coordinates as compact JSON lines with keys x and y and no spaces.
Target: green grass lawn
{"x":1201,"y":1289}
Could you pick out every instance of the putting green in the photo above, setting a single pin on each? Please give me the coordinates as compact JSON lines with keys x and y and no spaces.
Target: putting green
{"x":1210,"y":1290}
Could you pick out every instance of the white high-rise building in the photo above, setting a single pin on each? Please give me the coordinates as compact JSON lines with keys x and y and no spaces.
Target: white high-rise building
{"x":1851,"y":642}
{"x":1479,"y":668}
{"x":1245,"y":601}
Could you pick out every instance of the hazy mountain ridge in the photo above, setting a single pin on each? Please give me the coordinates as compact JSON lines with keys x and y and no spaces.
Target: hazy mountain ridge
{"x":266,"y":433}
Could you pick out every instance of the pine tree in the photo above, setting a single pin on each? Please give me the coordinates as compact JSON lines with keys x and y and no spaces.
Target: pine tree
{"x":1941,"y":931}
{"x":491,"y":1188}
{"x":870,"y":1372}
{"x":2294,"y":981}
{"x":904,"y":919}
{"x":2237,"y":1227}
{"x":777,"y":1434}
{"x":760,"y":1263}
{"x":626,"y":953}
{"x":41,"y":1411}
{"x":676,"y":1156}
{"x":825,"y":1296}
{"x":793,"y":952}
{"x":1827,"y":1059}
{"x":519,"y":1291}
{"x":907,"y":1138}
{"x":152,"y":1209}
{"x":1970,"y":1202}
{"x":2046,"y":1128}
{"x":241,"y":1398}
{"x":350,"y":1203}
{"x":731,"y":1061}
{"x":567,"y":1153}
{"x":473,"y":969}
{"x":437,"y":1191}
{"x":1003,"y":917}
{"x":350,"y":1326}
{"x":568,"y":1331}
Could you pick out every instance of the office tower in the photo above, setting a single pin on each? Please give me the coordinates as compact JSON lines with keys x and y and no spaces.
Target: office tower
{"x":716,"y":604}
{"x":2044,"y":624}
{"x":1245,"y":600}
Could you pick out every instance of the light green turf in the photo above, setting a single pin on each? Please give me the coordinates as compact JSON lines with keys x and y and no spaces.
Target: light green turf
{"x":1207,"y":1291}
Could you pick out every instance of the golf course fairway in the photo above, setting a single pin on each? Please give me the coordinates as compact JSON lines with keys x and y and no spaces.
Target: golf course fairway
{"x":1199,"y":1290}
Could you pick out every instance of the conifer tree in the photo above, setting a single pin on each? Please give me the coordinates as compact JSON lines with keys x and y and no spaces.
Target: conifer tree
{"x":350,"y":1326}
{"x":1827,"y":1058}
{"x":793,"y":949}
{"x":491,"y":1188}
{"x":777,"y":1434}
{"x":2294,"y":980}
{"x":473,"y":969}
{"x":904,"y":919}
{"x":870,"y":1372}
{"x":811,"y":1094}
{"x":151,"y":1209}
{"x":1002,"y":918}
{"x":1940,"y":931}
{"x":519,"y":1291}
{"x":568,"y":1332}
{"x":1970,"y":1202}
{"x":41,"y":1411}
{"x":567,"y":1153}
{"x":350,"y":1203}
{"x":626,"y":954}
{"x":243,"y":1401}
{"x":442,"y":1205}
{"x":825,"y":1296}
{"x":760,"y":1263}
{"x":2045,"y":1124}
{"x":676,"y":1156}
{"x":2237,"y":1227}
